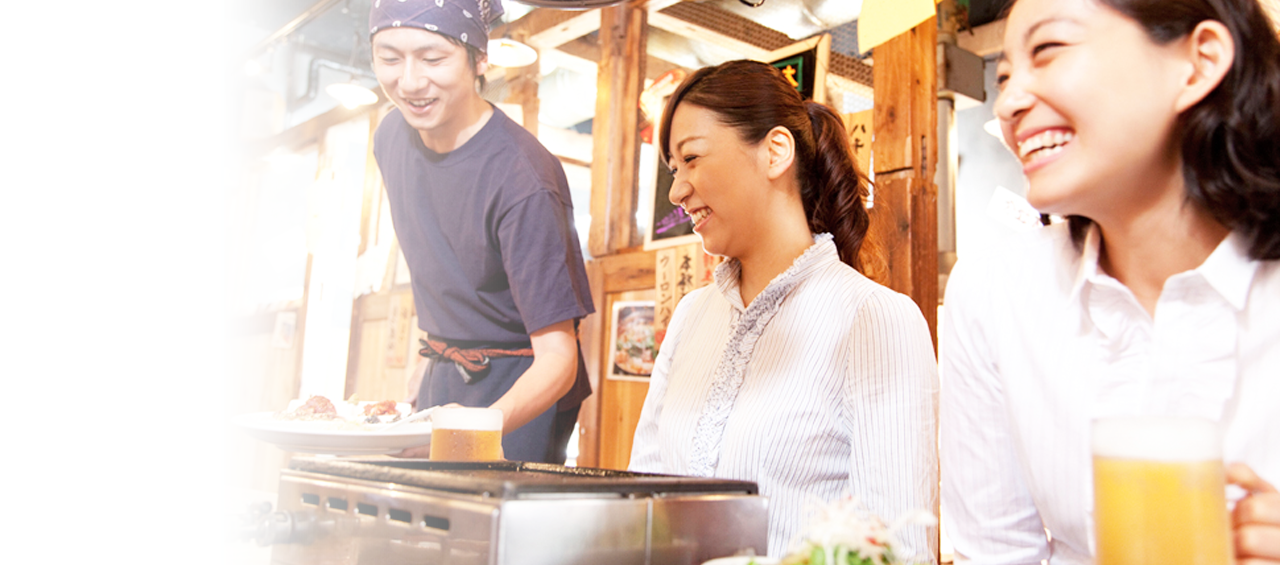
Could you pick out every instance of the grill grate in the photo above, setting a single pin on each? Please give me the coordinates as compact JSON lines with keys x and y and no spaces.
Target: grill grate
{"x":515,"y":479}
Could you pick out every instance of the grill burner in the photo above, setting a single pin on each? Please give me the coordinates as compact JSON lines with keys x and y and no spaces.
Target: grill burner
{"x":390,"y":511}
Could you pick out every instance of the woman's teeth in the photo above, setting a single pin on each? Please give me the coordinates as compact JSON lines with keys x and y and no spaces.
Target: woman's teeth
{"x":1046,"y":143}
{"x":698,"y":215}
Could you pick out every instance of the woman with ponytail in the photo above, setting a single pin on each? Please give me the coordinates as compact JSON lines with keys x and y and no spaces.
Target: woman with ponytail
{"x":794,"y":370}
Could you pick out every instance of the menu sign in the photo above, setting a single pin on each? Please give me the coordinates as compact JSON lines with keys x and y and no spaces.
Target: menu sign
{"x":799,"y":70}
{"x":679,"y":271}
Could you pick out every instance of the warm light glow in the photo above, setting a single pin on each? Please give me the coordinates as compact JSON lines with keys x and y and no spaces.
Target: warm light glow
{"x":253,"y":68}
{"x":351,"y":94}
{"x":505,"y":52}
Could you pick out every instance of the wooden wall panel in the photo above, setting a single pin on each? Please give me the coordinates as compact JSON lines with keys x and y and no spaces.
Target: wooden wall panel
{"x":618,"y":425}
{"x":591,"y":339}
{"x":608,"y":417}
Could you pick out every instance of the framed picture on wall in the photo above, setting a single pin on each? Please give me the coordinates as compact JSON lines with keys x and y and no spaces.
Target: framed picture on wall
{"x":632,"y":347}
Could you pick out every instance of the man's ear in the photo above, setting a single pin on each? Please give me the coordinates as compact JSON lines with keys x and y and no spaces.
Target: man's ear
{"x":780,"y":150}
{"x":482,"y":65}
{"x":1211,"y":51}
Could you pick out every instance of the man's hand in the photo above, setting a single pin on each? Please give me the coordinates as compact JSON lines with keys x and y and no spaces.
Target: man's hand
{"x":418,"y":452}
{"x":1256,"y":519}
{"x":424,"y":451}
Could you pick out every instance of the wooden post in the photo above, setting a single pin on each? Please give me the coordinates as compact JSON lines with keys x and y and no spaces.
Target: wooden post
{"x":904,"y":219}
{"x":615,"y":131}
{"x":523,"y":82}
{"x":591,"y":340}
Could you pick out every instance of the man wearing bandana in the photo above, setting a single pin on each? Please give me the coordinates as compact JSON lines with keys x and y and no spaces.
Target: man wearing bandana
{"x":483,"y":215}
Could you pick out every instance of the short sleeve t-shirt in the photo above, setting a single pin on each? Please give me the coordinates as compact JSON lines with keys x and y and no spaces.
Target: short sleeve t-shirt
{"x":486,"y":231}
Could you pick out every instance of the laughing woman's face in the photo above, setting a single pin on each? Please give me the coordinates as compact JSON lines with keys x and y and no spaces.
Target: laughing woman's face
{"x":1087,"y":102}
{"x":719,"y":180}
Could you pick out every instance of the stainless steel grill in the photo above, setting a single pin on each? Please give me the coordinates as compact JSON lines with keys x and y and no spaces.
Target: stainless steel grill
{"x":390,"y":512}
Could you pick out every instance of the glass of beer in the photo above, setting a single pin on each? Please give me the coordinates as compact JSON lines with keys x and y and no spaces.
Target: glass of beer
{"x":1159,"y":492}
{"x":466,"y":434}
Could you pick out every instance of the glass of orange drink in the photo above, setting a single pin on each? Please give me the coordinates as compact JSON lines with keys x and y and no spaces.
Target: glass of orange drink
{"x":466,"y":434}
{"x":1159,"y":492}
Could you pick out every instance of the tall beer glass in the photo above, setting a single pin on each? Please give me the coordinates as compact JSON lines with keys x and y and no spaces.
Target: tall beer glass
{"x":1159,"y":492}
{"x":466,"y":434}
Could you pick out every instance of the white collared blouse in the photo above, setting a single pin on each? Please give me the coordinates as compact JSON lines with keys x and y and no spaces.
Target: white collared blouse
{"x":825,"y":386}
{"x":1036,"y":342}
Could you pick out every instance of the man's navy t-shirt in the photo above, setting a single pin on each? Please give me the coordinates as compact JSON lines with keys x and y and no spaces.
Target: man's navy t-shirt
{"x":486,"y":230}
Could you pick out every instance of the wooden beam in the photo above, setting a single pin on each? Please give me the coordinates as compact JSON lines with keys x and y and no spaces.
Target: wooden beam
{"x":904,"y":219}
{"x":560,"y":36}
{"x":707,"y":35}
{"x":656,"y":5}
{"x":568,"y":30}
{"x":561,"y":58}
{"x":310,"y":131}
{"x":522,"y":89}
{"x":536,"y":22}
{"x":849,"y":85}
{"x":615,"y":134}
{"x":588,"y":50}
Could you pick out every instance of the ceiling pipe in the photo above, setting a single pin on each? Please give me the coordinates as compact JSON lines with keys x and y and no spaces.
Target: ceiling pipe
{"x":571,"y":4}
{"x":313,"y":78}
{"x":303,"y":19}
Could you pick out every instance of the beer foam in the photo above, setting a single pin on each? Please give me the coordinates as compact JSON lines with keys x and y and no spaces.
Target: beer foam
{"x":1157,"y":438}
{"x":454,"y":418}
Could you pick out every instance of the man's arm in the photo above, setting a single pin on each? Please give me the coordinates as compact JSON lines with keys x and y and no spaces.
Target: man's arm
{"x":555,"y":366}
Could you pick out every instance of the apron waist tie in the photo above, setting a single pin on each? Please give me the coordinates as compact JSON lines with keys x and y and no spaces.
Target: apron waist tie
{"x":471,"y":362}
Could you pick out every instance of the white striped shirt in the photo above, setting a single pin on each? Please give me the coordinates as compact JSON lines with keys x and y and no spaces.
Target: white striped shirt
{"x":825,"y":387}
{"x":1037,"y":342}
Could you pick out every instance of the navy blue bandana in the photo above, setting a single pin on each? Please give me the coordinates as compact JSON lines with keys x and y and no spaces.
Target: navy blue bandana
{"x":466,"y":20}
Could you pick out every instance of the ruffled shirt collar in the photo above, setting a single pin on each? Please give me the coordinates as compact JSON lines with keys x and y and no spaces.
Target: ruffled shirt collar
{"x":728,"y":274}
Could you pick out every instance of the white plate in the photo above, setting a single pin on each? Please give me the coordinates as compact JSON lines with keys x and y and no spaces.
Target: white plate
{"x":313,"y":437}
{"x":758,"y":560}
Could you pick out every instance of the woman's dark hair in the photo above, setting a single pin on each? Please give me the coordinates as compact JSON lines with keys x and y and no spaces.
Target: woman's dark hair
{"x":753,"y":98}
{"x":1231,"y":139}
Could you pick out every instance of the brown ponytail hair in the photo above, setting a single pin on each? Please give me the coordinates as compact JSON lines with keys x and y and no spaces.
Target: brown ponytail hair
{"x":753,"y":98}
